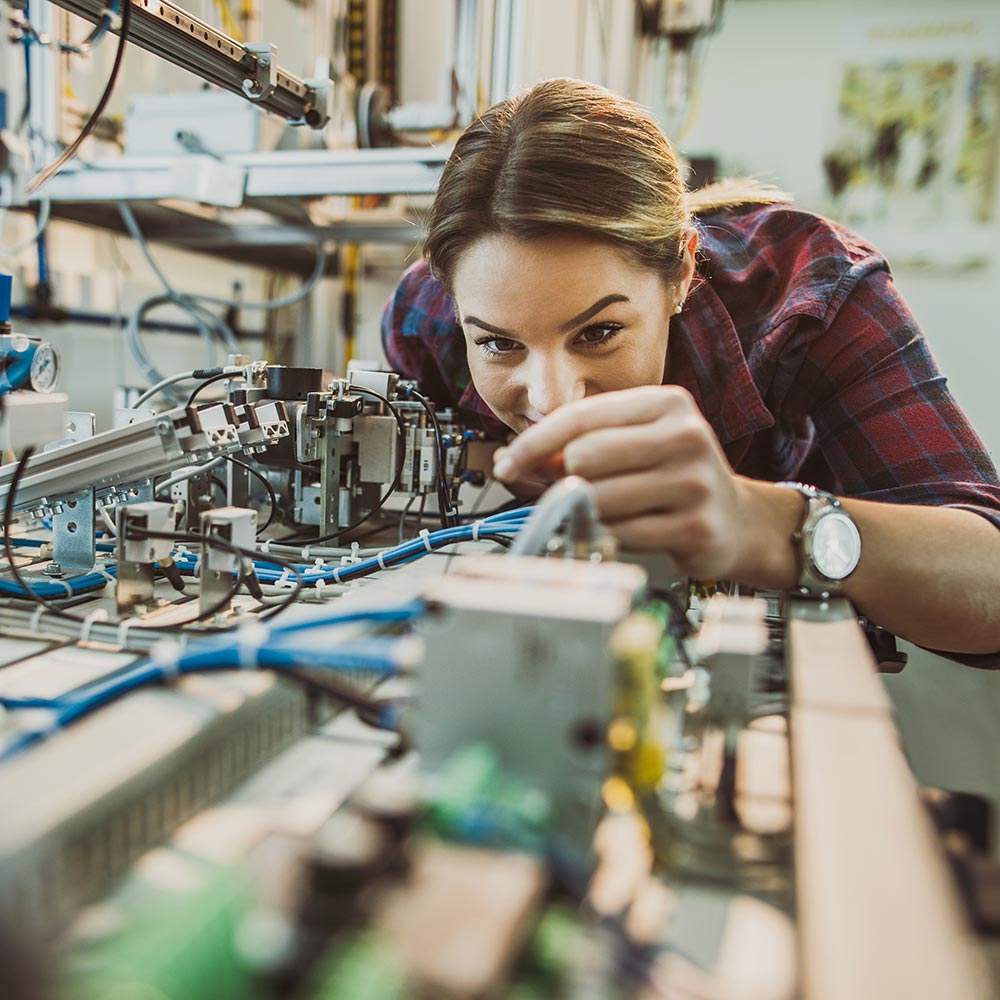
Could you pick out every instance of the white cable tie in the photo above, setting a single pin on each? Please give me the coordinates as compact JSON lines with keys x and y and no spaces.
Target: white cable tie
{"x":283,"y":579}
{"x":249,"y":639}
{"x":476,"y":525}
{"x":265,"y":546}
{"x":97,"y":615}
{"x":37,"y":617}
{"x":166,"y":656}
{"x":64,"y":583}
{"x":320,"y":584}
{"x":109,"y":577}
{"x":304,"y":554}
{"x":355,"y":552}
{"x":336,"y":575}
{"x":426,"y":536}
{"x":319,"y":562}
{"x":123,"y":626}
{"x":380,"y":559}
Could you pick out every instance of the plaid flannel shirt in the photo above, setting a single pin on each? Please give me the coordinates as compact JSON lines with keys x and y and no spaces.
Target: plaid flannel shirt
{"x":797,"y":348}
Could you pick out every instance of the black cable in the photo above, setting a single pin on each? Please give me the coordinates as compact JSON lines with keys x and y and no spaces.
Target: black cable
{"x":442,"y":489}
{"x":8,"y":520}
{"x":213,"y":540}
{"x":220,"y":543}
{"x":385,"y":496}
{"x":333,"y":686}
{"x":70,"y":151}
{"x":267,"y":485}
{"x":202,"y":385}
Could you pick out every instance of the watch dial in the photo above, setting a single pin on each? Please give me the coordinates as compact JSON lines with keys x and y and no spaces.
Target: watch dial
{"x":836,"y":546}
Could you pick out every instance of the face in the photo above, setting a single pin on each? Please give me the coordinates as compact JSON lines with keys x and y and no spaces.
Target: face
{"x":554,"y":319}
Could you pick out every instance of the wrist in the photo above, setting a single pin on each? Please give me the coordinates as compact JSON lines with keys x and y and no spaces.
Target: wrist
{"x":769,"y":516}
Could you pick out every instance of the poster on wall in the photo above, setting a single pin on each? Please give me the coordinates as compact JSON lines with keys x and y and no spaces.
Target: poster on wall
{"x":915,"y":148}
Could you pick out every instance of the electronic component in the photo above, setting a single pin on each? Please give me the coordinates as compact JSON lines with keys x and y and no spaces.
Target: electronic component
{"x":236,"y":526}
{"x":540,"y":688}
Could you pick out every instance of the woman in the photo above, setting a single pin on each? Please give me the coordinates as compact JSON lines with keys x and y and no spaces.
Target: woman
{"x":686,"y":352}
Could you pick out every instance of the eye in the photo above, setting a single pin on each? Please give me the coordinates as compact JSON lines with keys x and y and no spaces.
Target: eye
{"x":497,"y":345}
{"x":598,"y":334}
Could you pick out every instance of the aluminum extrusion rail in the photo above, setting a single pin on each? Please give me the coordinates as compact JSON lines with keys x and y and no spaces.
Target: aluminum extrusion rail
{"x":171,"y":33}
{"x":109,"y":461}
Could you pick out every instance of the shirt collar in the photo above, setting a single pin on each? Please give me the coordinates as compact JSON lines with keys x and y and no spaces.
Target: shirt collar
{"x":706,"y":358}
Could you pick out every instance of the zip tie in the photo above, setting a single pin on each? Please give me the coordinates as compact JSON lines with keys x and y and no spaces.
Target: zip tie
{"x":426,"y":536}
{"x":320,"y":584}
{"x":336,"y":575}
{"x":319,"y":563}
{"x":249,"y":639}
{"x":37,"y":617}
{"x":304,"y":553}
{"x":64,"y":583}
{"x":476,"y":525}
{"x":97,"y":615}
{"x":265,"y":546}
{"x":123,"y":626}
{"x":355,"y":552}
{"x":165,"y":656}
{"x":283,"y":579}
{"x":109,"y":577}
{"x":380,"y":559}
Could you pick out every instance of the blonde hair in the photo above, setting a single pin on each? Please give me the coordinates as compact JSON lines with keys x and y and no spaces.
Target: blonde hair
{"x":571,"y":156}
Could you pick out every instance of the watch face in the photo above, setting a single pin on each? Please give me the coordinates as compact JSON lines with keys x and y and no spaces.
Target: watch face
{"x":836,"y":546}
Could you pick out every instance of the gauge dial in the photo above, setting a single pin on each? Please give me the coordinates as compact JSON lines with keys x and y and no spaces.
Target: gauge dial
{"x":44,"y":368}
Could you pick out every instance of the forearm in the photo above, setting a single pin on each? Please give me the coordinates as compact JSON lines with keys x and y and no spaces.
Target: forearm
{"x":928,"y":574}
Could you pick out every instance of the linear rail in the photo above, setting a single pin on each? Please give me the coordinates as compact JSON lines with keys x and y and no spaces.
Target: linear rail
{"x":170,"y":32}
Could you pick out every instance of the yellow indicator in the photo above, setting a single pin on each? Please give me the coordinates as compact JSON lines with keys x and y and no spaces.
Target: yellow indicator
{"x":617,"y":795}
{"x":621,"y":736}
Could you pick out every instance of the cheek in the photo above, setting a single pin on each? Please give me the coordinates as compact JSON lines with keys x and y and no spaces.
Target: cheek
{"x":495,"y":383}
{"x":643,"y":363}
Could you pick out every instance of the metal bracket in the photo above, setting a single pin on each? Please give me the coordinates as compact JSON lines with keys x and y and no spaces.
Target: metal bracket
{"x":73,"y":544}
{"x":265,"y":71}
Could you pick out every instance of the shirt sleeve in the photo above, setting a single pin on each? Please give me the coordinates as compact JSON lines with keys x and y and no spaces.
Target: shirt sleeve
{"x":421,"y":337}
{"x":884,"y":418}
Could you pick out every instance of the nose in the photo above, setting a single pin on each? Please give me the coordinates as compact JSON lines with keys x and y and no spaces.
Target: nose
{"x":552,"y":382}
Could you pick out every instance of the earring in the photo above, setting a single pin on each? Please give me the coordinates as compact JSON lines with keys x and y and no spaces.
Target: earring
{"x":679,"y":308}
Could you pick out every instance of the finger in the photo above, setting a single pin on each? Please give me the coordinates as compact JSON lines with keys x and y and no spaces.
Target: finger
{"x":683,"y":535}
{"x":608,"y":409}
{"x":634,"y":494}
{"x":609,"y":451}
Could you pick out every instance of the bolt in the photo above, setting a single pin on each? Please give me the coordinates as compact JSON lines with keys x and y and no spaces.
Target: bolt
{"x":53,"y":569}
{"x":162,"y":427}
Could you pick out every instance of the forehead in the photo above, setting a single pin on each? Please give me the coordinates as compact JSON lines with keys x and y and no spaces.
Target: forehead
{"x":505,"y":280}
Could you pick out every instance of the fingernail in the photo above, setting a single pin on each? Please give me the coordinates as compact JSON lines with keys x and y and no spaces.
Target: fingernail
{"x":503,"y":467}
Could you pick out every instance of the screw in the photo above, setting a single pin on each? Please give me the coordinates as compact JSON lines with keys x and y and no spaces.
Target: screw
{"x":162,"y":427}
{"x":53,"y":569}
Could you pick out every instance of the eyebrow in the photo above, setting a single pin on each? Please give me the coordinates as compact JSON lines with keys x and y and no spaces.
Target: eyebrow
{"x":568,"y":325}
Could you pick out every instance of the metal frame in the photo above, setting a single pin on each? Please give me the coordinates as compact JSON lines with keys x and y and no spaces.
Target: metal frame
{"x":300,"y":173}
{"x":173,"y":34}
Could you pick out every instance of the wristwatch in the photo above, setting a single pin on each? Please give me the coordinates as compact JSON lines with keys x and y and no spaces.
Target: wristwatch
{"x":828,"y":543}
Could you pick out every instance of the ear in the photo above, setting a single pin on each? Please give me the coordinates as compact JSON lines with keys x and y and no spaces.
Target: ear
{"x":689,"y":265}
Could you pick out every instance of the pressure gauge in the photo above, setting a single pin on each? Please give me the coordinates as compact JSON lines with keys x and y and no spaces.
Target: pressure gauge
{"x":44,"y":368}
